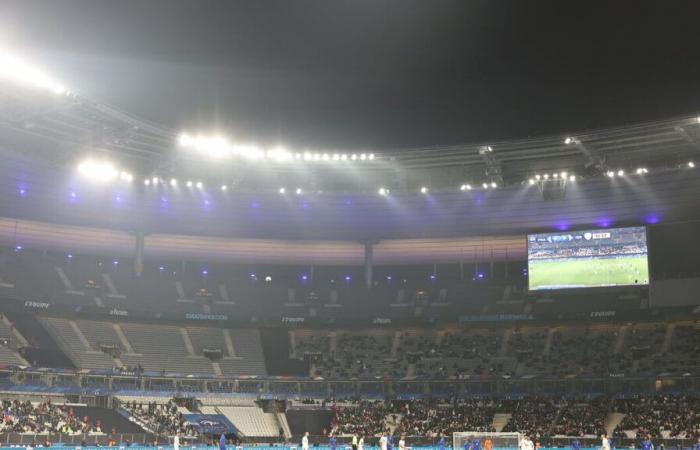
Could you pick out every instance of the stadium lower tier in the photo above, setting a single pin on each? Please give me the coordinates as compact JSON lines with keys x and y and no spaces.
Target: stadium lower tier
{"x":156,"y":420}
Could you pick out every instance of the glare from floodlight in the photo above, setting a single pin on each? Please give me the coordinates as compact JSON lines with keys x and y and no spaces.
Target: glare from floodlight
{"x":538,"y":176}
{"x":610,"y":174}
{"x":317,"y":156}
{"x":546,"y":176}
{"x":297,"y":156}
{"x":486,"y":186}
{"x":298,"y":191}
{"x":282,"y":190}
{"x":371,"y":156}
{"x":189,"y":184}
{"x":641,"y":170}
{"x":382,"y":191}
{"x":620,"y":173}
{"x":224,"y":187}
{"x":154,"y":180}
{"x":173,"y":182}
{"x":423,"y":190}
{"x":147,"y":182}
{"x":563,"y":174}
{"x":199,"y":185}
{"x":353,"y":157}
{"x":343,"y":157}
{"x":126,"y":176}
{"x":568,"y":140}
{"x":691,"y":164}
{"x":101,"y":171}
{"x":465,"y":187}
{"x":532,"y":181}
{"x":16,"y":70}
{"x":336,"y":157}
{"x":572,"y":178}
{"x":494,"y":185}
{"x":363,"y":156}
{"x":488,"y":147}
{"x":556,"y":175}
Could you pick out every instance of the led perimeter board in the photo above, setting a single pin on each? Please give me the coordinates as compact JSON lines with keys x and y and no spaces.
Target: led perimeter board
{"x":588,"y":258}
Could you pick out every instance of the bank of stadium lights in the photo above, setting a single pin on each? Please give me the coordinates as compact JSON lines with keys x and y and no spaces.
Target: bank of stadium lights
{"x":556,"y":176}
{"x":18,"y":71}
{"x":102,"y":171}
{"x":383,"y":191}
{"x":641,"y":171}
{"x":465,"y":187}
{"x":219,"y":147}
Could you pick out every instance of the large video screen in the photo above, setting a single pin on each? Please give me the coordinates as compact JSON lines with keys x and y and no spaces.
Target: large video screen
{"x":589,"y":258}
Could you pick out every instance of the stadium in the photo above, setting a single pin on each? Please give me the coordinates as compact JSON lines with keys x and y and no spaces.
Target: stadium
{"x":237,"y":226}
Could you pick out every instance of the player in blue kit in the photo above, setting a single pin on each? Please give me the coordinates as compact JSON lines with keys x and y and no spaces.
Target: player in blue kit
{"x":576,"y":444}
{"x":332,"y":442}
{"x":468,"y":444}
{"x":697,"y":445}
{"x":389,"y":440}
{"x":647,"y":444}
{"x":476,"y":444}
{"x":441,"y":444}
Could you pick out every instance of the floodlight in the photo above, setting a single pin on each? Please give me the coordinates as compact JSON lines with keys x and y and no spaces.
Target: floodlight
{"x":16,"y":70}
{"x":101,"y":171}
{"x":423,"y":190}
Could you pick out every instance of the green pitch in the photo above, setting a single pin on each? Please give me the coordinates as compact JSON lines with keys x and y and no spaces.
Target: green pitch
{"x":588,"y":272}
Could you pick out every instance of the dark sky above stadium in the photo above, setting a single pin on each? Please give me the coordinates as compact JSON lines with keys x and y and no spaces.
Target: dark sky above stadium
{"x":370,"y":73}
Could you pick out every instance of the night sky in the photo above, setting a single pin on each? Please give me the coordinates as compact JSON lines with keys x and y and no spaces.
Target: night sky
{"x":370,"y":73}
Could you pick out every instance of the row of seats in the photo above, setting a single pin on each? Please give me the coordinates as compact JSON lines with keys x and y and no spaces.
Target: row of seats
{"x":158,"y":348}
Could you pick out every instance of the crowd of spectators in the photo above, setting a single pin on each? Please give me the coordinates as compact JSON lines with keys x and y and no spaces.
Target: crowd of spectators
{"x":582,"y":417}
{"x":533,"y":416}
{"x":362,"y":418}
{"x":162,"y":419}
{"x":477,"y":353}
{"x":659,"y":416}
{"x":432,"y":420}
{"x":26,"y":417}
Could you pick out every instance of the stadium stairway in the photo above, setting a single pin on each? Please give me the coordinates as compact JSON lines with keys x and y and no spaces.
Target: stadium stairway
{"x":612,"y":421}
{"x":620,"y":342}
{"x":43,"y":350}
{"x":392,"y":421}
{"x":500,"y":420}
{"x":670,"y":328}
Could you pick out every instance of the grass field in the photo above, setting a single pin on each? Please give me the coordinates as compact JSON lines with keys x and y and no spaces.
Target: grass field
{"x":588,"y":272}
